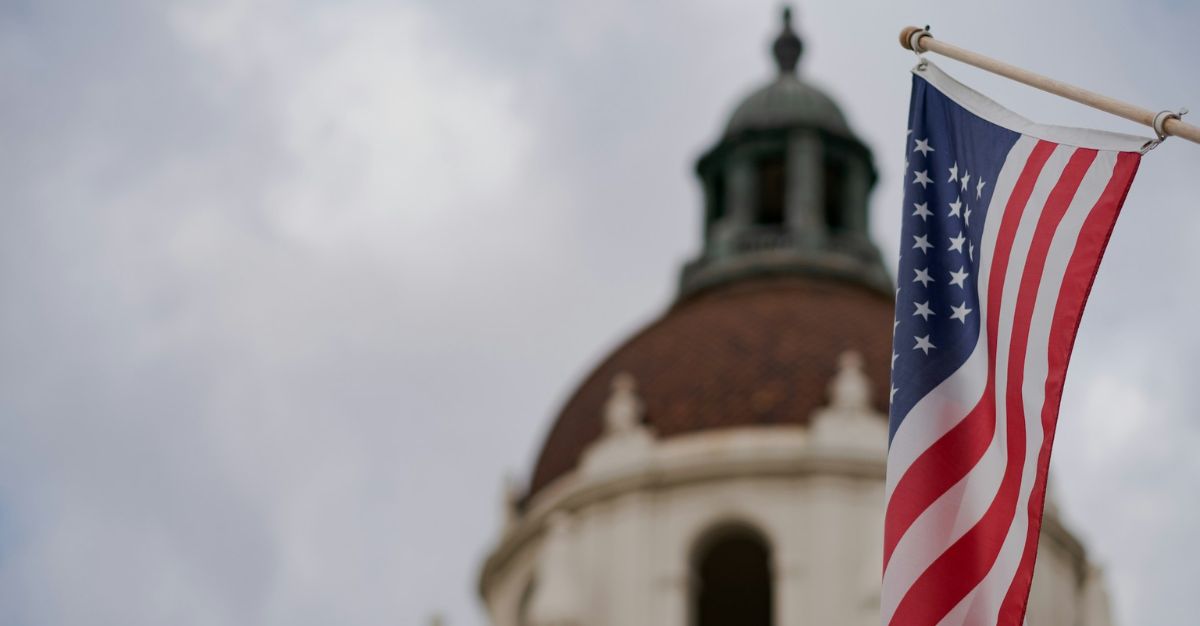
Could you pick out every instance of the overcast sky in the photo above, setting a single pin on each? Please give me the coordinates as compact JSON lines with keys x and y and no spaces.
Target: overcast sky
{"x":287,"y":288}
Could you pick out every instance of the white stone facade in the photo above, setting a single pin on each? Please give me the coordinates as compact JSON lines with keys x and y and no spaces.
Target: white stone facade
{"x":614,"y":543}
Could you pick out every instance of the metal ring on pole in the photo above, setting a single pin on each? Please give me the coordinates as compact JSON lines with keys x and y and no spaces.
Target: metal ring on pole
{"x":914,"y":40}
{"x":1160,"y":120}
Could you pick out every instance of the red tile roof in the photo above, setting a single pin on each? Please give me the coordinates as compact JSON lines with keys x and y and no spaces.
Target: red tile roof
{"x":750,"y":353}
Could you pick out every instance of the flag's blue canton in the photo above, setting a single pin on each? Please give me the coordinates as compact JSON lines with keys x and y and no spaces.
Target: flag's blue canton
{"x":953,"y":158}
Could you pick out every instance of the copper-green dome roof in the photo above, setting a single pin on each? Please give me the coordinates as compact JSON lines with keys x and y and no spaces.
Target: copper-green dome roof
{"x":785,"y":102}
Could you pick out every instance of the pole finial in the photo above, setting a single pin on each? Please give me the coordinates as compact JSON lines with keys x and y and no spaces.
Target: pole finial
{"x":787,"y":47}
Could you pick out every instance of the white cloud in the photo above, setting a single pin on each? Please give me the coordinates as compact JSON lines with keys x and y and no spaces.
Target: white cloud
{"x":387,"y":133}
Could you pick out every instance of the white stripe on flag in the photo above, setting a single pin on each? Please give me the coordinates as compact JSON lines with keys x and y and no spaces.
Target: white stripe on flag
{"x":987,"y":597}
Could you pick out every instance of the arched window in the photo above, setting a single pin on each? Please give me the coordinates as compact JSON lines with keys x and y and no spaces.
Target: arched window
{"x":772,"y":182}
{"x":718,"y":197}
{"x":732,"y":579}
{"x":835,"y":194}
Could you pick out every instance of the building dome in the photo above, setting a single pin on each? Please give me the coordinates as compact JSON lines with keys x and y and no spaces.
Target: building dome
{"x":787,"y":102}
{"x":750,"y":353}
{"x":786,"y":281}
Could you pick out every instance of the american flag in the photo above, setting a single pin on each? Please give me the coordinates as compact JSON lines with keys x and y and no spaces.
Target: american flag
{"x":1004,"y":225}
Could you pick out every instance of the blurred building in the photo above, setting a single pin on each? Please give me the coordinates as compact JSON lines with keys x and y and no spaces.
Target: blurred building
{"x":725,"y":465}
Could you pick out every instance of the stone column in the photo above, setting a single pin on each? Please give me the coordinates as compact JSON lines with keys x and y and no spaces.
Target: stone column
{"x":858,"y":187}
{"x":829,"y":543}
{"x":740,"y":192}
{"x":556,"y":598}
{"x":788,"y":580}
{"x":805,"y":188}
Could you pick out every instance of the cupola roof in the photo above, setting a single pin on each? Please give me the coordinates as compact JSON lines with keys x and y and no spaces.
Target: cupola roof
{"x":787,"y":101}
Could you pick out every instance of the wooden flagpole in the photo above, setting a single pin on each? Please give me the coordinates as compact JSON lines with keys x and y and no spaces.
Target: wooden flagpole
{"x":1165,"y":123}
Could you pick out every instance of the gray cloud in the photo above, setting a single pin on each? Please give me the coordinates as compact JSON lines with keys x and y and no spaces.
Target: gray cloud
{"x":288,"y":287}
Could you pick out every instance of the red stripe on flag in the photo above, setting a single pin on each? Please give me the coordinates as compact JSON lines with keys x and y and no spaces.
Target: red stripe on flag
{"x":953,"y":455}
{"x":1077,"y":284}
{"x":961,"y":567}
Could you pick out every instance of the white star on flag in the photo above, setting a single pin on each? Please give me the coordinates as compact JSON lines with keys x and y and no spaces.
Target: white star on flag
{"x":953,"y":172}
{"x":956,"y":208}
{"x":958,"y":313}
{"x":922,"y":243}
{"x":923,"y":310}
{"x":979,"y":189}
{"x":965,"y":177}
{"x":959,"y":278}
{"x":923,"y":147}
{"x":924,"y":345}
{"x":922,"y":179}
{"x":956,"y":243}
{"x":923,"y":277}
{"x":922,"y":210}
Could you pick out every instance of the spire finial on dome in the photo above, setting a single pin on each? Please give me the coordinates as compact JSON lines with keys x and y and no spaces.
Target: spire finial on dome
{"x":787,"y":46}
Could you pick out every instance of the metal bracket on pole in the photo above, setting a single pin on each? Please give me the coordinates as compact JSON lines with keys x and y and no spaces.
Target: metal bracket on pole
{"x":914,"y":39}
{"x":1161,"y":119}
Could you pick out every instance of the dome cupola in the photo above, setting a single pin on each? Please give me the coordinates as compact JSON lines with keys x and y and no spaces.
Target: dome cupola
{"x":786,"y":187}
